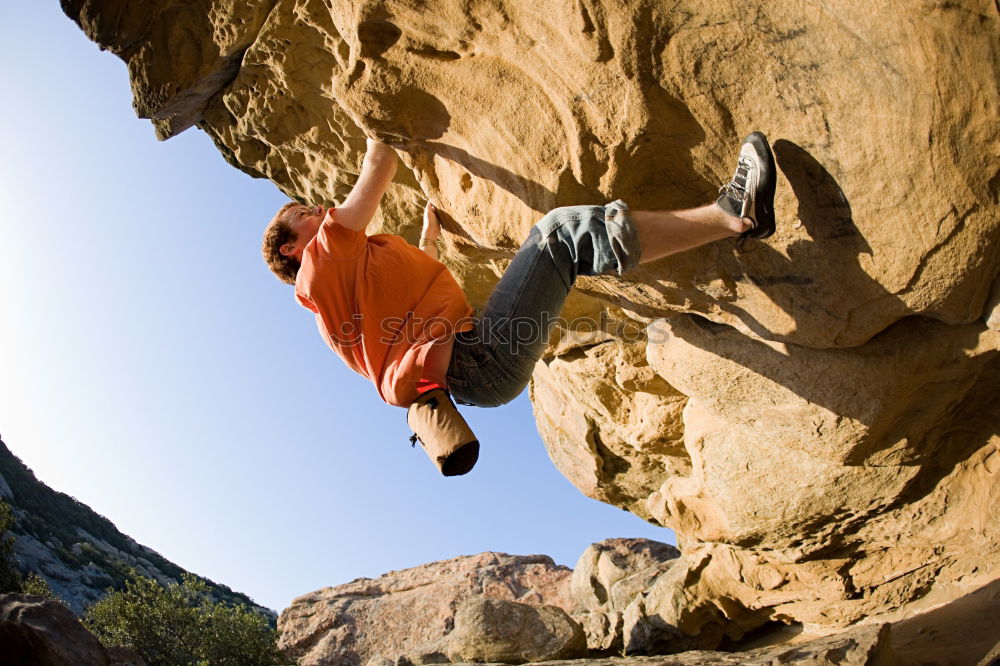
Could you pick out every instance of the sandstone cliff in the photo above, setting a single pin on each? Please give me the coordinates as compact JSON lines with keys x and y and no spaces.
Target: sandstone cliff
{"x":815,"y":416}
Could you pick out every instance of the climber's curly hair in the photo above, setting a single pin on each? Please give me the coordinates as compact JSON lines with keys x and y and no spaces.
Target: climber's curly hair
{"x":277,"y":233}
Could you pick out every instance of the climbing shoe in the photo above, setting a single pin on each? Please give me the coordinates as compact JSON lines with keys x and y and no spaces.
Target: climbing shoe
{"x":750,"y":194}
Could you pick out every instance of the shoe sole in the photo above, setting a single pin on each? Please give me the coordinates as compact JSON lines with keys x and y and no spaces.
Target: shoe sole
{"x":764,"y":195}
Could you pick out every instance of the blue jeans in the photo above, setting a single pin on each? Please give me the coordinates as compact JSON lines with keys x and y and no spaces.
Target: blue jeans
{"x":491,"y":364}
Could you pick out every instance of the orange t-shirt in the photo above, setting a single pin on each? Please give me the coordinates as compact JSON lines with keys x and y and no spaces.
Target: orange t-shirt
{"x":380,"y":303}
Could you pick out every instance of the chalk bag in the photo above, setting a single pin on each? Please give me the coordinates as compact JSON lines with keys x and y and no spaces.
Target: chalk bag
{"x":445,"y":436}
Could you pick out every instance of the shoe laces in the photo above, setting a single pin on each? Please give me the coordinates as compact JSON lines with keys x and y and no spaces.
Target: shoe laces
{"x":739,"y":187}
{"x":742,"y":188}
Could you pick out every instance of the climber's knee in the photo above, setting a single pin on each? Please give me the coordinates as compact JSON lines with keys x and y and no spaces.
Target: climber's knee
{"x":550,"y":222}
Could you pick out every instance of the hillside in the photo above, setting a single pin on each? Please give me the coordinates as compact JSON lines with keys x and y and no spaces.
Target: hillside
{"x":78,"y":551}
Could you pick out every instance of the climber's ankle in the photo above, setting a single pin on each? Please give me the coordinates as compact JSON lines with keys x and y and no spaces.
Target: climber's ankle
{"x":732,"y":223}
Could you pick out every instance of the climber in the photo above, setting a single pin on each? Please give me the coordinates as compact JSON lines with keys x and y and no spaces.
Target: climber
{"x":396,"y":315}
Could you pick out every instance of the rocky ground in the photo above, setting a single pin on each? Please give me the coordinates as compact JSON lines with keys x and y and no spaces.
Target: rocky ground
{"x":497,"y":608}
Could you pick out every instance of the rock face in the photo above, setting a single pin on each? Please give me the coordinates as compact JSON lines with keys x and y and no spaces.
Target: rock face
{"x":817,"y":419}
{"x":406,"y":615}
{"x":876,"y":504}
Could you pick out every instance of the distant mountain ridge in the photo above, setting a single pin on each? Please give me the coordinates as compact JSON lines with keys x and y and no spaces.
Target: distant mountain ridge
{"x":79,"y":552}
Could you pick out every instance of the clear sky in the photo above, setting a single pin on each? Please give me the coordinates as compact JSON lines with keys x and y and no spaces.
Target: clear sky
{"x":155,"y":370}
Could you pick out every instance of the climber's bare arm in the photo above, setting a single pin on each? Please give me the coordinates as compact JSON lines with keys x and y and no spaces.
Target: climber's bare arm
{"x":431,"y":231}
{"x":377,"y":170}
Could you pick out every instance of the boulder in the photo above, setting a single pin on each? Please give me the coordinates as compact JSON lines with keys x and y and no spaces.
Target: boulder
{"x":123,"y":656}
{"x":43,"y":632}
{"x":495,"y":630}
{"x":609,"y":577}
{"x":406,"y":614}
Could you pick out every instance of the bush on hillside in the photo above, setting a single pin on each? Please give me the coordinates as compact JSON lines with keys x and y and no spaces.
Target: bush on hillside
{"x":38,"y":586}
{"x":10,"y":577}
{"x":180,"y":625}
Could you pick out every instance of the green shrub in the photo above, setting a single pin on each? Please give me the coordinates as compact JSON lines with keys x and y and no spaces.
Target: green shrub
{"x":179,"y":625}
{"x":35,"y":584}
{"x":10,"y":577}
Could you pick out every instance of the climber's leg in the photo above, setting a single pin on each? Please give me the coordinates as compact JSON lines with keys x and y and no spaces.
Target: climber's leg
{"x":668,"y":232}
{"x":491,"y":365}
{"x":510,"y":337}
{"x":745,"y":208}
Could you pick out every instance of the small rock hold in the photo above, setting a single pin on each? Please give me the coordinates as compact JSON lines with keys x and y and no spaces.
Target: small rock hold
{"x":991,"y":314}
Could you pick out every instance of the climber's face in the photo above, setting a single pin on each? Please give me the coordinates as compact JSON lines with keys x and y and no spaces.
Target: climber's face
{"x":304,"y":222}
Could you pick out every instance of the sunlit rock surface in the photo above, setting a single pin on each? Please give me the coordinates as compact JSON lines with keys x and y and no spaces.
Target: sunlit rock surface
{"x":609,"y":582}
{"x":408,"y":614}
{"x":818,"y":417}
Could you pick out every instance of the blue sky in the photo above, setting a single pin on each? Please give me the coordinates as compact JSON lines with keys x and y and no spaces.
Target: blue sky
{"x":155,"y":370}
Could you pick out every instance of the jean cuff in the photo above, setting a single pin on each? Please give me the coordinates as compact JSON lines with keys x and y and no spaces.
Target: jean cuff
{"x":622,"y":235}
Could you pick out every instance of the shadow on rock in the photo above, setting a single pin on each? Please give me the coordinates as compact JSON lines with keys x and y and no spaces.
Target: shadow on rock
{"x":891,"y":386}
{"x":820,"y":284}
{"x":416,"y":115}
{"x":964,"y":631}
{"x":533,"y":194}
{"x":820,"y":278}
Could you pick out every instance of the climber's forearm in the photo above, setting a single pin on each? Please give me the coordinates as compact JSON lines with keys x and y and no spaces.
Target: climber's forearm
{"x":431,"y":231}
{"x":377,"y":170}
{"x":430,"y":249}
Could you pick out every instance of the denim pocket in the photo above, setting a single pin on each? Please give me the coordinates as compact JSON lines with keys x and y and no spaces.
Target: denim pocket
{"x":503,"y":389}
{"x":469,"y":385}
{"x":474,"y":356}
